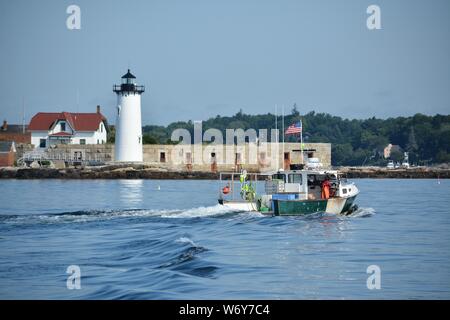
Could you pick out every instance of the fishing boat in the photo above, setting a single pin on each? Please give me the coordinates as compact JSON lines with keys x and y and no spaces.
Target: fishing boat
{"x":288,"y":192}
{"x":303,"y":189}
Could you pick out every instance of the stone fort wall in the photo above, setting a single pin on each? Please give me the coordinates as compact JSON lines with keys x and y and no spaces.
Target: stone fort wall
{"x":252,"y":157}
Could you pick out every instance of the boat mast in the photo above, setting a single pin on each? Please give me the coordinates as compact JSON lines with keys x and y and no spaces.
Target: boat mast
{"x":301,"y":141}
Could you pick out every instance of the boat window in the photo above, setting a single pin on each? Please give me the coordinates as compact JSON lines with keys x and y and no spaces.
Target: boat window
{"x":313,"y":180}
{"x":278,"y":176}
{"x":295,"y":178}
{"x":344,"y":191}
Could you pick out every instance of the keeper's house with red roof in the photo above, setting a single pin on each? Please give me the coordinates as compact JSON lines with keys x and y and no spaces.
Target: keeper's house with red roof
{"x":48,"y":129}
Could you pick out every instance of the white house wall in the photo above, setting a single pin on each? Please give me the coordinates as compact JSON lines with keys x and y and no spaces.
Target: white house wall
{"x":91,"y":137}
{"x":36,"y":137}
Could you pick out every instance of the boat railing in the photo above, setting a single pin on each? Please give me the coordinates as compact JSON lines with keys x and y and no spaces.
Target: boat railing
{"x":232,"y":181}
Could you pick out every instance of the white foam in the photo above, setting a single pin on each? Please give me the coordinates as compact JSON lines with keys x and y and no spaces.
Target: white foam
{"x":362,"y":212}
{"x":199,"y":212}
{"x":186,"y":240}
{"x":108,"y":215}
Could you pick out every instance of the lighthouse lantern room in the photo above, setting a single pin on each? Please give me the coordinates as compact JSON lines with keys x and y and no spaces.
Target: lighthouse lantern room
{"x":128,"y":144}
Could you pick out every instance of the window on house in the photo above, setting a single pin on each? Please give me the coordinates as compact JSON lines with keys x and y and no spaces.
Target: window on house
{"x":42,"y":143}
{"x":63,"y":126}
{"x":82,"y":141}
{"x":101,"y":127}
{"x":162,"y":157}
{"x":98,"y":141}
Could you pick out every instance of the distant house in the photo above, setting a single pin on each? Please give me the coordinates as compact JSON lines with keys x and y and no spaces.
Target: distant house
{"x":14,"y":132}
{"x":48,"y":129}
{"x":7,"y":153}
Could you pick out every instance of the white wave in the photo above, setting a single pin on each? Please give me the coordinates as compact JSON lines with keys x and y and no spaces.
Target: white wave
{"x":186,"y":240}
{"x":93,"y":215}
{"x":251,"y":214}
{"x":362,"y":212}
{"x":199,"y":212}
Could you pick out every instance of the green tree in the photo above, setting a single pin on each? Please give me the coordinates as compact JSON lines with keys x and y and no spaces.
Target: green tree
{"x":111,"y":134}
{"x":354,"y":141}
{"x":294,"y":111}
{"x":396,"y":155}
{"x":148,"y":139}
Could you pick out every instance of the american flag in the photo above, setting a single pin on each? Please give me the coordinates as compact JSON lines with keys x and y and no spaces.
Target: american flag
{"x":294,"y":128}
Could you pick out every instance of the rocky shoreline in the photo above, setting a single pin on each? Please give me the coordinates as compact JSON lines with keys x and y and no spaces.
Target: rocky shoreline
{"x":382,"y":173}
{"x":108,"y":172}
{"x":151,"y":172}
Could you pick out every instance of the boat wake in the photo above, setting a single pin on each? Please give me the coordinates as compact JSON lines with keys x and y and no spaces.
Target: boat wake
{"x":217,"y":210}
{"x":362,"y":213}
{"x":99,"y":215}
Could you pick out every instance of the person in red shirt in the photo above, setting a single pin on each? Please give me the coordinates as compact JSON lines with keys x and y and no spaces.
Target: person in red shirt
{"x":326,"y":189}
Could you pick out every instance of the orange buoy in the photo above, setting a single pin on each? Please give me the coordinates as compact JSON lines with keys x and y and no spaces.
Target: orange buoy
{"x":226,"y":190}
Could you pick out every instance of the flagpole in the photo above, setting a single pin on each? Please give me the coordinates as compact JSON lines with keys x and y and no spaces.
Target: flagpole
{"x":283,"y":132}
{"x":301,"y":141}
{"x":276,"y":135}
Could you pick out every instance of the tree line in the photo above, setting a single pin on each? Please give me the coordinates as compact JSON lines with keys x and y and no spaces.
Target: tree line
{"x":353,"y":141}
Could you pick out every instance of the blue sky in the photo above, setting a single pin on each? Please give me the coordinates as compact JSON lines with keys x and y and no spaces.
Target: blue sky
{"x":200,"y":58}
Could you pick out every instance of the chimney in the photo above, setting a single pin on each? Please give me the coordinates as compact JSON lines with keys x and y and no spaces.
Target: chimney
{"x":5,"y":125}
{"x":98,"y":109}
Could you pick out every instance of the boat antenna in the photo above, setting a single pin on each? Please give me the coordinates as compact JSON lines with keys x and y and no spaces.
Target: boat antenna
{"x":23,"y":114}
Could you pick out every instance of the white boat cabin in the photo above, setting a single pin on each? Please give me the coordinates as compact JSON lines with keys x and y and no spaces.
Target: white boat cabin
{"x":306,"y":184}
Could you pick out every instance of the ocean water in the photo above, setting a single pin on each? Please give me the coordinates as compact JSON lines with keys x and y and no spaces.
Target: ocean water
{"x":151,"y":239}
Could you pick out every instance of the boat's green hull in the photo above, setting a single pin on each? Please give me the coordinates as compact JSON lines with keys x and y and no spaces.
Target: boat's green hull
{"x":295,"y":207}
{"x":302,"y":207}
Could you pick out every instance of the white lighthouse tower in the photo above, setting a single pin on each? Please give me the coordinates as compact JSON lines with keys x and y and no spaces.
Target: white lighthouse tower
{"x":128,"y":145}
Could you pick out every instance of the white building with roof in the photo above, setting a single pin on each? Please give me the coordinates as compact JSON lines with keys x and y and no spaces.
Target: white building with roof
{"x":48,"y":129}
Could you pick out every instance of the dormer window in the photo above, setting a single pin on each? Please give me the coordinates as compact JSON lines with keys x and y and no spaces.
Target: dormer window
{"x":63,"y":126}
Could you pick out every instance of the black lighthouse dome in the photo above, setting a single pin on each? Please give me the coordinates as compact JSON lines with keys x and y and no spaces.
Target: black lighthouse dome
{"x":128,"y":85}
